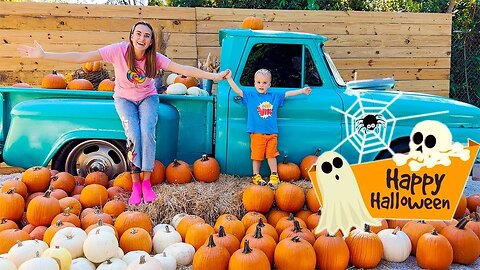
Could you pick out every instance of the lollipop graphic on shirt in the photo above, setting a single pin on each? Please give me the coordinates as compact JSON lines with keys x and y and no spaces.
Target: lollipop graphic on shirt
{"x":136,"y":77}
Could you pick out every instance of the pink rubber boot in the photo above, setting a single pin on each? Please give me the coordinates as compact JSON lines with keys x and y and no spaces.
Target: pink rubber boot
{"x":148,"y":193}
{"x":136,"y":196}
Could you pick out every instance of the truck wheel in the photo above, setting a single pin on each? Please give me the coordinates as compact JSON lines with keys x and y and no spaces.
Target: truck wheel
{"x":82,"y":157}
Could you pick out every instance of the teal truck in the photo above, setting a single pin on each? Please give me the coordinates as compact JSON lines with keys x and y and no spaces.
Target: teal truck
{"x":79,"y":131}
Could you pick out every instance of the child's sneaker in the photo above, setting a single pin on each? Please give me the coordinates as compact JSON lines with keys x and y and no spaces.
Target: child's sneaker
{"x":274,"y":180}
{"x":258,"y":180}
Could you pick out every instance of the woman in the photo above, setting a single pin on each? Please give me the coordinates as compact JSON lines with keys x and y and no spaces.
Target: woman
{"x":135,"y":63}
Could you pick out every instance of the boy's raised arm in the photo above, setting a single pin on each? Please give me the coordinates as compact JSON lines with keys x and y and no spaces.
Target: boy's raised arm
{"x":232,"y":84}
{"x":306,"y":90}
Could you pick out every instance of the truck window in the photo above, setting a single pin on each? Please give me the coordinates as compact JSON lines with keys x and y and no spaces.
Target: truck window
{"x":285,"y":62}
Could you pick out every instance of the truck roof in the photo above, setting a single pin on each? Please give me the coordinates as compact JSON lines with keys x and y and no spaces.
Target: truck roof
{"x":243,"y":32}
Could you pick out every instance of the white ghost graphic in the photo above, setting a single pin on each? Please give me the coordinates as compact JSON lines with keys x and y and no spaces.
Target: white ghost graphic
{"x":343,"y":206}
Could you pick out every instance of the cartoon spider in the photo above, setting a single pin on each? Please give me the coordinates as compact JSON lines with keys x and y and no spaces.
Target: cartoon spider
{"x":369,"y":122}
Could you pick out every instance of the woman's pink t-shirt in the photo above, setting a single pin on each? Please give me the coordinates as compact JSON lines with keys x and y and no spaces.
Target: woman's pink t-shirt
{"x":131,"y":85}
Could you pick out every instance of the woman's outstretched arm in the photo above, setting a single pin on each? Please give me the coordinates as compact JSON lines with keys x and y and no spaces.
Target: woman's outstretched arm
{"x":74,"y":57}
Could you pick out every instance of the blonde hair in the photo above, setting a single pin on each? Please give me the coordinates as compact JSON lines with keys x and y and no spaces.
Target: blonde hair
{"x":264,"y":72}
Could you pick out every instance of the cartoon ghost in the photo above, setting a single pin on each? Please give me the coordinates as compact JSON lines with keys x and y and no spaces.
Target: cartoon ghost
{"x":343,"y":206}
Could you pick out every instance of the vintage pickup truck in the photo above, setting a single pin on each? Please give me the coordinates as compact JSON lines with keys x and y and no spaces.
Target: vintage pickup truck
{"x":79,"y":131}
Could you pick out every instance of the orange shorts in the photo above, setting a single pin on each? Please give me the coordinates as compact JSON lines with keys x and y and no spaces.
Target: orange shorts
{"x":263,"y":145}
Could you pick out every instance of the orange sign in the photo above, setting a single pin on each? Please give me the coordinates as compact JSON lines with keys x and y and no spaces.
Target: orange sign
{"x":396,"y":192}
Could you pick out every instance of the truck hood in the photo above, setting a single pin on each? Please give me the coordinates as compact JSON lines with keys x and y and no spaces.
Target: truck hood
{"x":411,"y":108}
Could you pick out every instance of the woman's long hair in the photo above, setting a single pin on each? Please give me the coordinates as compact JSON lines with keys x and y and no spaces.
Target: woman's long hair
{"x":150,"y":53}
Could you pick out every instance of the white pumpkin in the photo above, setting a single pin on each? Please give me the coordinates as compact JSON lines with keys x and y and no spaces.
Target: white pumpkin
{"x":194,"y":91}
{"x":168,"y":262}
{"x":145,"y":263}
{"x":176,"y":89}
{"x":100,"y":246}
{"x":113,"y":264}
{"x":61,"y":255}
{"x":103,"y":228}
{"x":171,"y":78}
{"x":396,"y":245}
{"x":177,"y":218}
{"x":204,"y":93}
{"x":164,"y":238}
{"x":71,"y":238}
{"x":161,"y":226}
{"x":134,"y":256}
{"x":25,"y":250}
{"x":182,"y":252}
{"x":82,"y":264}
{"x":40,"y":263}
{"x":6,"y":264}
{"x":120,"y":253}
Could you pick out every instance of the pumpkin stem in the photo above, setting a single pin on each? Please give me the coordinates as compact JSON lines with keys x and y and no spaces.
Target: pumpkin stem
{"x":246,"y":247}
{"x":285,"y":159}
{"x":461,"y":224}
{"x":296,"y":239}
{"x":476,"y":217}
{"x":221,"y":231}
{"x":19,"y":243}
{"x":258,"y":232}
{"x":47,"y":193}
{"x":367,"y":228}
{"x":291,"y":217}
{"x":319,"y":212}
{"x":59,"y":223}
{"x":54,"y":178}
{"x":260,"y":223}
{"x":100,"y":222}
{"x":395,"y":231}
{"x":3,"y":221}
{"x":317,"y":152}
{"x":167,"y":229}
{"x":142,"y":259}
{"x":211,"y":243}
{"x":204,"y":157}
{"x":434,"y":232}
{"x":53,"y":72}
{"x":11,"y":190}
{"x":296,"y":226}
{"x":176,"y":163}
{"x":422,"y":221}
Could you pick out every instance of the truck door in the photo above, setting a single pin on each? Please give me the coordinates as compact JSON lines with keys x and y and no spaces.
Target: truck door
{"x":305,"y":122}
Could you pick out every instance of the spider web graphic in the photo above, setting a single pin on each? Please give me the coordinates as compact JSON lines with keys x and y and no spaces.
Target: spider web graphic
{"x":370,"y":141}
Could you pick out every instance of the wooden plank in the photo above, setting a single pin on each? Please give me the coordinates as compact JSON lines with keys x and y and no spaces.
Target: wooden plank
{"x":398,"y":74}
{"x":423,"y":85}
{"x":228,"y":14}
{"x":209,"y":40}
{"x":63,"y":23}
{"x":82,"y":37}
{"x":390,"y":52}
{"x":85,"y":10}
{"x":10,"y":50}
{"x":335,"y":28}
{"x":368,"y":63}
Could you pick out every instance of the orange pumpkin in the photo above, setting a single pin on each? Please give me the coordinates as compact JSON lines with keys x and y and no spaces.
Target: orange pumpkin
{"x":465,"y":243}
{"x":307,"y":162}
{"x":298,"y":230}
{"x":313,"y":203}
{"x":158,"y":173}
{"x":18,"y":186}
{"x":54,"y":228}
{"x":286,"y":222}
{"x":6,"y":224}
{"x":22,"y":85}
{"x":252,"y":218}
{"x":415,"y":229}
{"x":100,"y":178}
{"x":265,"y":228}
{"x":205,"y":255}
{"x":303,"y":214}
{"x":289,"y":197}
{"x":434,"y":243}
{"x":178,"y":172}
{"x":297,"y":248}
{"x":474,"y":224}
{"x":9,"y":237}
{"x":132,"y":219}
{"x":313,"y":220}
{"x":123,"y":180}
{"x":461,"y":207}
{"x":75,"y":207}
{"x":186,"y":222}
{"x":93,"y":218}
{"x":11,"y":205}
{"x":37,"y":179}
{"x":187,"y":81}
{"x":226,"y":240}
{"x":366,"y":248}
{"x":198,"y":233}
{"x":265,"y":243}
{"x":383,"y":225}
{"x":92,"y":66}
{"x":54,"y":81}
{"x":93,"y":195}
{"x":66,"y":216}
{"x":106,"y":85}
{"x":136,"y":239}
{"x":473,"y":201}
{"x":258,"y":198}
{"x":248,"y":258}
{"x":64,"y":181}
{"x":114,"y":207}
{"x":42,"y":209}
{"x":80,"y":84}
{"x":276,"y":215}
{"x":206,"y":169}
{"x":253,"y":23}
{"x":232,"y":225}
{"x":288,"y":171}
{"x":332,"y":252}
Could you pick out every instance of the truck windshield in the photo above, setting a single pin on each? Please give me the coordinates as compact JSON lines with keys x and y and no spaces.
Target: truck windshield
{"x":333,"y":69}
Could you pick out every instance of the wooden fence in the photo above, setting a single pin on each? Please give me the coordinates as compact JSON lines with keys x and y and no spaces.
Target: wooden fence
{"x":412,"y":47}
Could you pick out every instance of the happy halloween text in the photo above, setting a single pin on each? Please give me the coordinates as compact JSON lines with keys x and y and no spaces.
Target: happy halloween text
{"x":415,"y":184}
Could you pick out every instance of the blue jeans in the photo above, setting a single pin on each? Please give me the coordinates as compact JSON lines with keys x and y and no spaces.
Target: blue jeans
{"x":139,"y":120}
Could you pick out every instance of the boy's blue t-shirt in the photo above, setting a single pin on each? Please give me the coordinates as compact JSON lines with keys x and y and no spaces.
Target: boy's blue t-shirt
{"x":262,"y":111}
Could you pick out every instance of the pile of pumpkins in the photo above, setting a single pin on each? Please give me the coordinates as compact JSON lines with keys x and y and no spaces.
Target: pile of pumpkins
{"x":56,"y":80}
{"x":183,"y":85}
{"x":436,"y":244}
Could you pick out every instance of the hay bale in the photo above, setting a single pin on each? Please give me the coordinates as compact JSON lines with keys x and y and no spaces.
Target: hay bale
{"x":207,"y":200}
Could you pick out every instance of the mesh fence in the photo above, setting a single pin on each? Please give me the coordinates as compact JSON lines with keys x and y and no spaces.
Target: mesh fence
{"x":465,"y":67}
